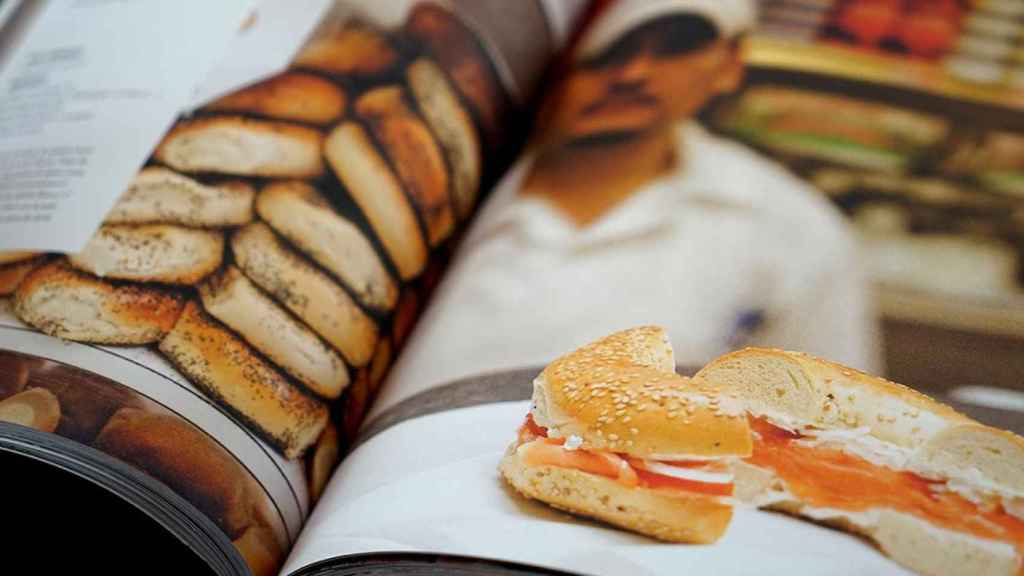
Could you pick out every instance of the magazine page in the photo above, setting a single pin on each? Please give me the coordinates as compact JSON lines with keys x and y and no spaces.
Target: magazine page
{"x":224,"y":325}
{"x":637,"y":204}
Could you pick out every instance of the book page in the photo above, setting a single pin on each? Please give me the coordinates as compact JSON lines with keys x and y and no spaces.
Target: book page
{"x":239,"y":305}
{"x":677,"y":178}
{"x":88,"y":88}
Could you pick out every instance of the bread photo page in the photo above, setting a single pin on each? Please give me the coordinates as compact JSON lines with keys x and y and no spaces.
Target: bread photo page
{"x":540,"y":287}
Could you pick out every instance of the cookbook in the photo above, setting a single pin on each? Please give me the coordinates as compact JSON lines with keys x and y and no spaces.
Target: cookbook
{"x":290,"y":283}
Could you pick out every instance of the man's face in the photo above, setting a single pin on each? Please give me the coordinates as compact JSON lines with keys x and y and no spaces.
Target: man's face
{"x":646,"y":83}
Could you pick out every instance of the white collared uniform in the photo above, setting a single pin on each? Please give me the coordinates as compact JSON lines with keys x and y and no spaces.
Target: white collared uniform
{"x":728,"y":250}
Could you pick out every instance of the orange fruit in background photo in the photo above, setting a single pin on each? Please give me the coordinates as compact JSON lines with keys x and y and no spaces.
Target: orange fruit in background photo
{"x":869,"y":21}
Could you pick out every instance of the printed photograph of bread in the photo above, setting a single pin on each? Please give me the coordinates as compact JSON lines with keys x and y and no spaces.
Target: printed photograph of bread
{"x":844,"y":130}
{"x":231,"y":372}
{"x":66,"y":303}
{"x":414,"y":154}
{"x":299,"y":213}
{"x":278,"y":231}
{"x":77,"y":404}
{"x":463,"y":56}
{"x":615,"y":434}
{"x":936,"y":491}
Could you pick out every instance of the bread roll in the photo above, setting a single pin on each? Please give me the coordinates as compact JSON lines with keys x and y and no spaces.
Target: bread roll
{"x":322,"y":461}
{"x":151,"y":253}
{"x":69,"y":304}
{"x":87,"y":400}
{"x":358,"y":49}
{"x":159,"y":195}
{"x":415,"y":155}
{"x":242,"y":147}
{"x":299,"y":213}
{"x":288,"y":96}
{"x":378,"y":192}
{"x":306,"y":291}
{"x":453,"y":127}
{"x":232,"y":373}
{"x":260,"y":550}
{"x":231,"y":298}
{"x":35,"y":408}
{"x":184,"y":458}
{"x":462,"y":56}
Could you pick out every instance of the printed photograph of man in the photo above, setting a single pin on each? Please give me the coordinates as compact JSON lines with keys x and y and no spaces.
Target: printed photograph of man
{"x":626,"y":211}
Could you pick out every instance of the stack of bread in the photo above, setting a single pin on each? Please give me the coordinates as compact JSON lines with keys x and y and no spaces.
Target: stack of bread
{"x":278,"y":233}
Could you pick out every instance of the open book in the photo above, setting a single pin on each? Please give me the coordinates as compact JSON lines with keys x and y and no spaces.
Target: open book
{"x":216,"y":246}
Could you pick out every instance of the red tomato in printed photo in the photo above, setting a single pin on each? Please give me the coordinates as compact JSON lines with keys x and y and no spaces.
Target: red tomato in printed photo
{"x":869,"y":21}
{"x":930,"y":28}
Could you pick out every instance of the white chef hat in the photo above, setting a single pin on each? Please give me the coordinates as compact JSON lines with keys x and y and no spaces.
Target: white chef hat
{"x":730,"y":18}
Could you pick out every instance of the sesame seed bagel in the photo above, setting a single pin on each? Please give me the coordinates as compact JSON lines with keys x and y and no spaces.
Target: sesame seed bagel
{"x":621,"y":394}
{"x":673,"y":517}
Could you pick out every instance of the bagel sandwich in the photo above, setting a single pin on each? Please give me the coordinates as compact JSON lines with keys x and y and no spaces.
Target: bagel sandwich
{"x":615,"y":434}
{"x":936,"y":491}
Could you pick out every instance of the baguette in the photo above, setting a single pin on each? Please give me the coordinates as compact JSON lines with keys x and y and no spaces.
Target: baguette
{"x":232,"y":373}
{"x":159,"y":195}
{"x":414,"y":153}
{"x":937,"y":491}
{"x":65,"y":303}
{"x":299,"y":213}
{"x":151,"y":253}
{"x":231,"y":298}
{"x":306,"y":291}
{"x":378,"y":192}
{"x":288,"y":96}
{"x":242,"y":147}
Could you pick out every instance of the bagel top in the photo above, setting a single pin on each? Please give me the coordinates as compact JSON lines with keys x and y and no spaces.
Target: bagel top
{"x":621,"y":394}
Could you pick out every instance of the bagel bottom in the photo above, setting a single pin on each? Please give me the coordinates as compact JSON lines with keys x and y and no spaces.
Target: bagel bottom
{"x":674,"y":517}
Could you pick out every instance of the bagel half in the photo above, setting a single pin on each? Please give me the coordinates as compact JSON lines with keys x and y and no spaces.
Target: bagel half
{"x":65,"y":303}
{"x":615,"y":434}
{"x":151,"y":253}
{"x":937,"y":491}
{"x":159,"y":195}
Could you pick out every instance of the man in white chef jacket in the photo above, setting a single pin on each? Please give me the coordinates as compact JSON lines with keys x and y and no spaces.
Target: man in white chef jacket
{"x":627,"y":212}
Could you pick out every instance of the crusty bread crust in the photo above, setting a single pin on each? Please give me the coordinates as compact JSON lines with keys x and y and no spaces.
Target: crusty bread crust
{"x":229,"y":371}
{"x":12,"y":274}
{"x":309,"y":293}
{"x":378,"y":192}
{"x":243,"y":147}
{"x":454,"y":128}
{"x":415,"y":155}
{"x":159,"y":195}
{"x":622,"y":394}
{"x":151,"y":253}
{"x":231,"y":298}
{"x":673,"y":517}
{"x":289,"y":96}
{"x":356,"y":49}
{"x":69,"y":304}
{"x":299,"y":213}
{"x":11,"y":257}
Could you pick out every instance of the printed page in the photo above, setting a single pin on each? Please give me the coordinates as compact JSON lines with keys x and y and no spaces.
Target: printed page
{"x":86,"y":91}
{"x":240,"y":303}
{"x":671,"y":182}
